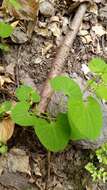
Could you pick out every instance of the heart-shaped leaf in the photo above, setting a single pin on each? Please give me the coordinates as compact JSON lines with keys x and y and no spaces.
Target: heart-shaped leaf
{"x":66,"y":85}
{"x":26,"y":93}
{"x":55,"y":135}
{"x":21,"y":116}
{"x":101,"y":91}
{"x":5,"y":30}
{"x":104,"y":78}
{"x":85,"y":118}
{"x":97,"y":65}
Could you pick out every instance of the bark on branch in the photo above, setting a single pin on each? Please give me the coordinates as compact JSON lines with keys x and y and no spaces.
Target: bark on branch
{"x":62,"y":54}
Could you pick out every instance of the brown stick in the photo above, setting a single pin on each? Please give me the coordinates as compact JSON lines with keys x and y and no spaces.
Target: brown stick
{"x":57,"y":67}
{"x":61,"y":55}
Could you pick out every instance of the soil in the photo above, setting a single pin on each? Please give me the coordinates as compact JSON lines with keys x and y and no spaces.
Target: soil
{"x":30,"y":63}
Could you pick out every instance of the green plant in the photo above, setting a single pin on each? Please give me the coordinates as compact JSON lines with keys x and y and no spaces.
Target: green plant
{"x":15,"y":4}
{"x":5,"y":31}
{"x":4,"y":108}
{"x":100,"y":172}
{"x":5,"y":28}
{"x":82,"y":120}
{"x":3,"y":148}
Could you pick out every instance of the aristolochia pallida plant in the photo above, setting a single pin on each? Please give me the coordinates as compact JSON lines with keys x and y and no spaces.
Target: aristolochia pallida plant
{"x":83,"y":118}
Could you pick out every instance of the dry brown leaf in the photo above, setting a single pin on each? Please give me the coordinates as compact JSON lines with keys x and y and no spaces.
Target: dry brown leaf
{"x":14,"y":24}
{"x":97,"y":1}
{"x":4,"y":79}
{"x":1,"y":81}
{"x":94,"y":8}
{"x":79,"y":1}
{"x":46,"y":48}
{"x":18,"y":161}
{"x":99,"y":30}
{"x":6,"y":129}
{"x":28,"y":11}
{"x":55,"y":29}
{"x":19,"y":36}
{"x":42,"y":31}
{"x":86,"y":39}
{"x":1,"y":69}
{"x":103,"y":12}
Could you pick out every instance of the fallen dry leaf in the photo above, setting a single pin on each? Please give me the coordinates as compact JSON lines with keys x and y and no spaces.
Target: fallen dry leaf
{"x":103,"y":11}
{"x":9,"y":69}
{"x":1,"y":81}
{"x":18,"y":161}
{"x":86,"y":39}
{"x":4,"y":79}
{"x":99,"y":30}
{"x":3,"y":161}
{"x":85,"y":36}
{"x":94,"y":8}
{"x":54,"y":28}
{"x":97,"y":1}
{"x":28,"y":11}
{"x":46,"y":48}
{"x":14,"y":24}
{"x":2,"y":69}
{"x":70,"y":1}
{"x":42,"y":31}
{"x":6,"y":129}
{"x":19,"y":36}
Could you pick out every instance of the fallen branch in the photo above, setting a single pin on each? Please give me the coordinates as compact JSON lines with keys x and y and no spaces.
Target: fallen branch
{"x":57,"y":66}
{"x":62,"y":54}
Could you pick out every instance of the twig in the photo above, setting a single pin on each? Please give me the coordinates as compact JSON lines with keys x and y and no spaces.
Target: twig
{"x":49,"y":169}
{"x":61,"y":56}
{"x":58,"y":64}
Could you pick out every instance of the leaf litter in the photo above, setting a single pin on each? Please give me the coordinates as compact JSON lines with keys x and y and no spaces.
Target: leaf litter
{"x":47,"y":34}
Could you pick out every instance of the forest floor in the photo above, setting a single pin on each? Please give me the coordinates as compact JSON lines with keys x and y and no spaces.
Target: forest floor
{"x":24,"y":167}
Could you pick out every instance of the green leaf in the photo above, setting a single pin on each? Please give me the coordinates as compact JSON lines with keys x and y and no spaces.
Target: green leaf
{"x":35,"y":96}
{"x":55,"y":135}
{"x":3,"y":149}
{"x":97,"y":65}
{"x":20,"y":114}
{"x":5,"y":30}
{"x":26,"y":93}
{"x":91,"y":83}
{"x":4,"y":47}
{"x":23,"y":93}
{"x":101,"y":91}
{"x":101,"y":154}
{"x":104,"y":78}
{"x":66,"y":85}
{"x":5,"y":107}
{"x":85,"y":118}
{"x":15,"y":4}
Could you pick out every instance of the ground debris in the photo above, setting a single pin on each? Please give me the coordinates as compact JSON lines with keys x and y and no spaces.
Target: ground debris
{"x":18,"y":161}
{"x":34,"y":60}
{"x":46,"y":8}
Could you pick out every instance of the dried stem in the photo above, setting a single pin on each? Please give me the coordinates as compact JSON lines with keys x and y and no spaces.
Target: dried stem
{"x":57,"y":66}
{"x":62,"y":54}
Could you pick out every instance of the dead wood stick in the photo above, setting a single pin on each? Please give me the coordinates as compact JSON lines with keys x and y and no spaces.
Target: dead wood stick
{"x":57,"y":66}
{"x":61,"y":56}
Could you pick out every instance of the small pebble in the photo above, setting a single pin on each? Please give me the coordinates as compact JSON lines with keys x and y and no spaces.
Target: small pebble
{"x":47,"y":8}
